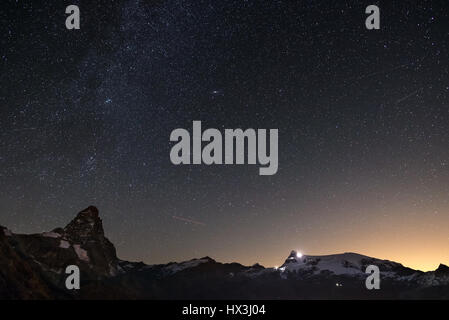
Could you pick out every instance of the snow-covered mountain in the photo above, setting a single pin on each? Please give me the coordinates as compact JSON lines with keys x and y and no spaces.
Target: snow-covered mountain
{"x":348,"y":264}
{"x":32,"y":267}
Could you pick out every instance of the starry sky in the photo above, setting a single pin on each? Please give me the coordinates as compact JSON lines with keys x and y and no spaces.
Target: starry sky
{"x":363,"y":119}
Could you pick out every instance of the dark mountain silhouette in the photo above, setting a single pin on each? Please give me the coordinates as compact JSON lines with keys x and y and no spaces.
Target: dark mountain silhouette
{"x":33,"y":267}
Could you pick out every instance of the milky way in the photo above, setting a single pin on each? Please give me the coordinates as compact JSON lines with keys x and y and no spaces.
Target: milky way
{"x":363,"y":123}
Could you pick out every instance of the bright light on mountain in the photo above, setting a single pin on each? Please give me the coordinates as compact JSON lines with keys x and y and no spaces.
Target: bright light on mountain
{"x":298,"y":254}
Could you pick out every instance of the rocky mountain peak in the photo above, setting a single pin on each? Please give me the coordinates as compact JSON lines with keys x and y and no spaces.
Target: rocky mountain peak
{"x":87,"y":224}
{"x":293,"y":254}
{"x":90,"y":212}
{"x":86,"y":235}
{"x":442,"y":269}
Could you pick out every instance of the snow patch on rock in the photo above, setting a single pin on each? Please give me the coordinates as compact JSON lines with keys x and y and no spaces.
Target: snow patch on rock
{"x":51,"y":235}
{"x":177,"y":267}
{"x":64,"y":244}
{"x":81,"y":253}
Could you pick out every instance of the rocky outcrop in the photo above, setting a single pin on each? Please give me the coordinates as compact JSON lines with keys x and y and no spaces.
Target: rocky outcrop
{"x":20,"y":278}
{"x":82,"y":243}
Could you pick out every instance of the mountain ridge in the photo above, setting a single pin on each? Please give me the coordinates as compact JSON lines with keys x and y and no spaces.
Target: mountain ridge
{"x":33,"y":268}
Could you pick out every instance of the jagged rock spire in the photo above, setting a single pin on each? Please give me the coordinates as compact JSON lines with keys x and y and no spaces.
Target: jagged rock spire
{"x":87,"y":224}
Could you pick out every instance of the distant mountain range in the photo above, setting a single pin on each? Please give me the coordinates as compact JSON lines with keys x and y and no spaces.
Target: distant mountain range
{"x":33,"y":267}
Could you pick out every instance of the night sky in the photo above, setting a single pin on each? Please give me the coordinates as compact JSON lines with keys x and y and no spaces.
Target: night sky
{"x":363,"y":119}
